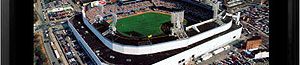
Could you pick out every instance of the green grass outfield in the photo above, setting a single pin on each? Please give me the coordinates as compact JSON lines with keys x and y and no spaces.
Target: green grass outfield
{"x":142,"y":25}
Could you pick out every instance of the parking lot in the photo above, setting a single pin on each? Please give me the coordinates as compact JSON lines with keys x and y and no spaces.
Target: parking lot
{"x":56,"y":11}
{"x":235,"y":55}
{"x":59,"y":38}
{"x":229,"y":56}
{"x":60,"y":15}
{"x":255,"y":21}
{"x":258,"y":17}
{"x":58,"y":45}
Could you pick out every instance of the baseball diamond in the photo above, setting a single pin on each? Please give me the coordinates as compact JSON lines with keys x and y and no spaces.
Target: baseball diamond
{"x":142,"y":25}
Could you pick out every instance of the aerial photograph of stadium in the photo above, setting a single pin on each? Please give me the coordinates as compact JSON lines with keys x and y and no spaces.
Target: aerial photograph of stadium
{"x":151,"y":32}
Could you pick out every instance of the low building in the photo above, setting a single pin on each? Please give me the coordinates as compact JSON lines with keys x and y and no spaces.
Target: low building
{"x":253,"y":43}
{"x":261,"y":55}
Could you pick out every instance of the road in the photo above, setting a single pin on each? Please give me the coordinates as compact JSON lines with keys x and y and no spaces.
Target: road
{"x":45,"y":25}
{"x":39,"y":13}
{"x":49,"y":51}
{"x":256,"y":29}
{"x":77,"y":8}
{"x":47,"y":46}
{"x":243,"y":37}
{"x":58,"y":47}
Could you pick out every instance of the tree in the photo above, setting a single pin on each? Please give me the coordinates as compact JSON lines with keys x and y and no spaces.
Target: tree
{"x":37,"y":48}
{"x":43,"y":57}
{"x":35,"y":38}
{"x":35,"y":60}
{"x":35,"y":17}
{"x":39,"y":61}
{"x":45,"y":63}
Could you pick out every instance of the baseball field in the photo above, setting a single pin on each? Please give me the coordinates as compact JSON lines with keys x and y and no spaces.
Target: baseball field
{"x":142,"y":25}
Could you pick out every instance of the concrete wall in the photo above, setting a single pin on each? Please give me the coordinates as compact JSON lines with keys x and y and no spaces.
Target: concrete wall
{"x":202,"y":49}
{"x":159,"y":47}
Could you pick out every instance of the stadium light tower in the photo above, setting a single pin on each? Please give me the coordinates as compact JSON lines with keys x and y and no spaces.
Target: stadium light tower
{"x":216,"y":9}
{"x":100,"y":7}
{"x":114,"y":22}
{"x":238,"y":18}
{"x":177,"y":21}
{"x":112,"y":27}
{"x":99,"y":17}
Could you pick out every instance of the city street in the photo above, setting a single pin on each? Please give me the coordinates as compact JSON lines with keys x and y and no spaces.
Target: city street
{"x":75,"y":6}
{"x":47,"y":46}
{"x":58,"y":47}
{"x":49,"y":51}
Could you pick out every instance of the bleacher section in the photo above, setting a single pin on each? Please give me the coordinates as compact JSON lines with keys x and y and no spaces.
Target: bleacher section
{"x":194,"y":13}
{"x":123,"y":10}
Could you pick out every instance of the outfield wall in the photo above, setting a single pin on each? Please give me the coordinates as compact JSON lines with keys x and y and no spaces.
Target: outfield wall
{"x":160,"y":47}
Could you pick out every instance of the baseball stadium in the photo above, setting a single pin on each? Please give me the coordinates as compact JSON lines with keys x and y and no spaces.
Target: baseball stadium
{"x":152,"y":32}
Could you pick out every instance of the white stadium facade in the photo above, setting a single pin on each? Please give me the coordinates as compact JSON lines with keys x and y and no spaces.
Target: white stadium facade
{"x":203,"y":37}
